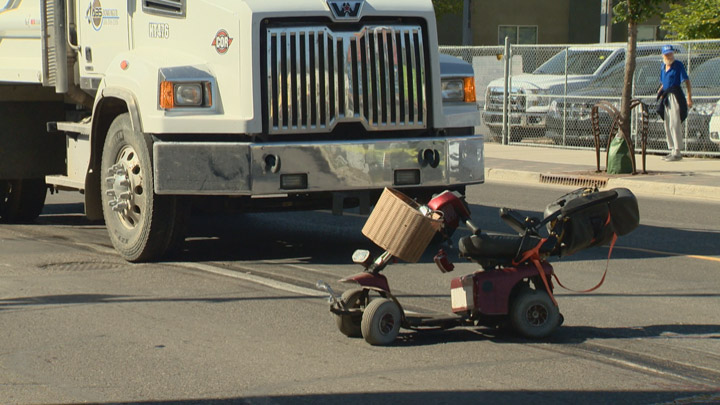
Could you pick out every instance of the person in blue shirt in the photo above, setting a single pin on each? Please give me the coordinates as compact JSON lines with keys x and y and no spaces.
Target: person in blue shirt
{"x":673,"y":106}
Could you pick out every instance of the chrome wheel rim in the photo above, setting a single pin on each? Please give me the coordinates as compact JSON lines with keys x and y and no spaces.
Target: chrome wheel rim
{"x":124,"y":184}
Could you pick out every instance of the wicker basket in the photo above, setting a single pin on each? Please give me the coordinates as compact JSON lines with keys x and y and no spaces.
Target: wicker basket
{"x":397,"y":226}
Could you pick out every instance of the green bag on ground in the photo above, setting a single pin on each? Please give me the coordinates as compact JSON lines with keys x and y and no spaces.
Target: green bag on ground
{"x":619,"y":161}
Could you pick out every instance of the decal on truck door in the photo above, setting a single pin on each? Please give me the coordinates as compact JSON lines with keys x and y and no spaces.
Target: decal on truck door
{"x":97,"y":16}
{"x":222,"y":42}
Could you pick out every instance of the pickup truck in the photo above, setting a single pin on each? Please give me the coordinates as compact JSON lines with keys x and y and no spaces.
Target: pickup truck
{"x":531,"y":94}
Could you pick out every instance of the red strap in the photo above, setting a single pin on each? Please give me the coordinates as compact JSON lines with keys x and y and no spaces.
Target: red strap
{"x":607,"y":266}
{"x":534,"y":256}
{"x":545,"y":281}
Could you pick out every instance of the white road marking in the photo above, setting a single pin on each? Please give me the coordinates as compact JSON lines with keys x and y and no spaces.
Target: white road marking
{"x":278,"y":285}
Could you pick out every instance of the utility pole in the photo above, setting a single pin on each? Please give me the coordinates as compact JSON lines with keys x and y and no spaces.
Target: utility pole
{"x":467,"y":24}
{"x":606,"y":21}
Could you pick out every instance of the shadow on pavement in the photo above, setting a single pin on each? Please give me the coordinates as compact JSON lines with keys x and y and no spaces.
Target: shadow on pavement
{"x":474,"y":397}
{"x":319,"y":237}
{"x":565,"y":335}
{"x":70,"y":299}
{"x":579,"y":334}
{"x":652,"y":241}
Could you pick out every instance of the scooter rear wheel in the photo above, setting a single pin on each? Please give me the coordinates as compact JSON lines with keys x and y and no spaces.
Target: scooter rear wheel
{"x":349,"y":325}
{"x":533,"y":314}
{"x":381,"y":322}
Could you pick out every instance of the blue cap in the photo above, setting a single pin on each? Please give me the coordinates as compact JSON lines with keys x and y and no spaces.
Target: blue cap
{"x":666,"y":49}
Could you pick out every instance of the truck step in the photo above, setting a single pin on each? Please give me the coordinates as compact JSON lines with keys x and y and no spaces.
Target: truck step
{"x":65,"y":182}
{"x":83,"y":127}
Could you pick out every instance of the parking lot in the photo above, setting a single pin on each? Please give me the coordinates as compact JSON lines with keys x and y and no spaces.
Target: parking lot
{"x":553,"y":88}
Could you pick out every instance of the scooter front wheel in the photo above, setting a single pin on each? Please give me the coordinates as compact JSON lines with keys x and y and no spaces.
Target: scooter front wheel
{"x":533,"y":314}
{"x":349,"y":325}
{"x":381,"y":322}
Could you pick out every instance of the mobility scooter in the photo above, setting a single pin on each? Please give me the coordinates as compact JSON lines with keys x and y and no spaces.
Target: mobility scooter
{"x":513,"y":287}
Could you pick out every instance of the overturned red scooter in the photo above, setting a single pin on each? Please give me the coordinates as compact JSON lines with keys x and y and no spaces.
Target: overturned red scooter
{"x":514,"y":286}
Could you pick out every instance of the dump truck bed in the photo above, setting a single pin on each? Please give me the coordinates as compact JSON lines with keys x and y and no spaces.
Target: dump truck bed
{"x":20,"y":42}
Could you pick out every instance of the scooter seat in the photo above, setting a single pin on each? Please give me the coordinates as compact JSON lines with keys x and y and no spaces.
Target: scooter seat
{"x":485,"y":246}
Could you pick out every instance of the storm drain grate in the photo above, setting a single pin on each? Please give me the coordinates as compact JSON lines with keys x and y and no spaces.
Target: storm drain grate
{"x":574,"y":180}
{"x":82,"y":266}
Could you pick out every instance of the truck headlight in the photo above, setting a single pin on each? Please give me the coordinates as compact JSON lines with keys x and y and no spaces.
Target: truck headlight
{"x":536,"y":98}
{"x":459,"y":90}
{"x":185,"y":94}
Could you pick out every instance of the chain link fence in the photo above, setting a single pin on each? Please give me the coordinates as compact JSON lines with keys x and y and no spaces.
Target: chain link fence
{"x":552,"y":89}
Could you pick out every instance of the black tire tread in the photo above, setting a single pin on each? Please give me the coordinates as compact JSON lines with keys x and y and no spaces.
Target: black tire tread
{"x":164,"y":229}
{"x":518,"y":309}
{"x":345,"y":323}
{"x":25,"y":201}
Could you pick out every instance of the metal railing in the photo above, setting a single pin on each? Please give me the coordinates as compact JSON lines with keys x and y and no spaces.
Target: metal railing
{"x":551,"y":90}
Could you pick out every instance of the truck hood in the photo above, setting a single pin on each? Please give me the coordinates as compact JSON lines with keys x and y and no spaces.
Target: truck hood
{"x":320,"y":8}
{"x":451,"y":66}
{"x":547,"y":84}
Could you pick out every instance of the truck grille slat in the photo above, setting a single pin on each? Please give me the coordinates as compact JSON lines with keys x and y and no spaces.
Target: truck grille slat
{"x":308,"y":82}
{"x":298,"y":82}
{"x":316,"y":43}
{"x":413,"y":91}
{"x":318,"y":78}
{"x":406,"y":82}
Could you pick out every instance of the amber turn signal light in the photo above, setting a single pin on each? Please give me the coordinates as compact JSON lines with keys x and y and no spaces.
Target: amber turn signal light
{"x":469,"y":86}
{"x":167,"y":95}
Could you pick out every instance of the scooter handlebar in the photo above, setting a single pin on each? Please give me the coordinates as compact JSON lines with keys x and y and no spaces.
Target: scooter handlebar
{"x":473,"y":228}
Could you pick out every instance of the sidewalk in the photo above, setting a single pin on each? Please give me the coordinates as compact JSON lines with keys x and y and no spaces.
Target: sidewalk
{"x":690,"y":177}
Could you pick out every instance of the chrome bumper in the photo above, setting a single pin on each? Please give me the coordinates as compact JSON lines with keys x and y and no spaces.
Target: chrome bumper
{"x":205,"y":168}
{"x":517,"y":119}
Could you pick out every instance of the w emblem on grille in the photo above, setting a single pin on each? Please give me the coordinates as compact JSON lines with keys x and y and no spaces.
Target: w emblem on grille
{"x":346,"y":10}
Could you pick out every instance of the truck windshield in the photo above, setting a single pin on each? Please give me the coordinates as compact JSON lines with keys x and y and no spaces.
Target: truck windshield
{"x":612,"y":80}
{"x":579,"y":62}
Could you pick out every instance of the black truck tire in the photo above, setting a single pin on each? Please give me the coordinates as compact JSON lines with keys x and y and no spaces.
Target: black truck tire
{"x":22,"y":200}
{"x":143,"y":226}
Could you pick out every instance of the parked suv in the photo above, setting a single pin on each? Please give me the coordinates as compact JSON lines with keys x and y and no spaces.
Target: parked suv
{"x":576,"y":116}
{"x":531,"y":94}
{"x":715,"y":126}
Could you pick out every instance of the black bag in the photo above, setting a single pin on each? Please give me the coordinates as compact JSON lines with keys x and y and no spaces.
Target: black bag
{"x":587,"y":218}
{"x":624,"y":212}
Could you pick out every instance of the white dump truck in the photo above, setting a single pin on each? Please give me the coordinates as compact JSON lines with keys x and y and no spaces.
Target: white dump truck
{"x":149,"y":106}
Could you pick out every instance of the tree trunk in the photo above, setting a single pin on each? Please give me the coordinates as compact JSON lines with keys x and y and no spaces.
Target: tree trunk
{"x":629,"y":73}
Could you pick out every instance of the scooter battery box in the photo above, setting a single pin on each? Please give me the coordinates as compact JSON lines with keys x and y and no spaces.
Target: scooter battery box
{"x":462,"y":294}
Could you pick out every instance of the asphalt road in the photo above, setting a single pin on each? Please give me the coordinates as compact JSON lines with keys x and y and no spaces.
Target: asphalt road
{"x":235,"y":318}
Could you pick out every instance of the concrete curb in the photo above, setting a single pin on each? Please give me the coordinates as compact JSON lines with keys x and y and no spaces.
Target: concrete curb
{"x":667,"y":189}
{"x":641,"y":187}
{"x":518,"y":176}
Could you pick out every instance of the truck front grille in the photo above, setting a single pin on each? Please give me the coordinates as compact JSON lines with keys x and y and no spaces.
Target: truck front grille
{"x":494,"y":100}
{"x":318,"y":78}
